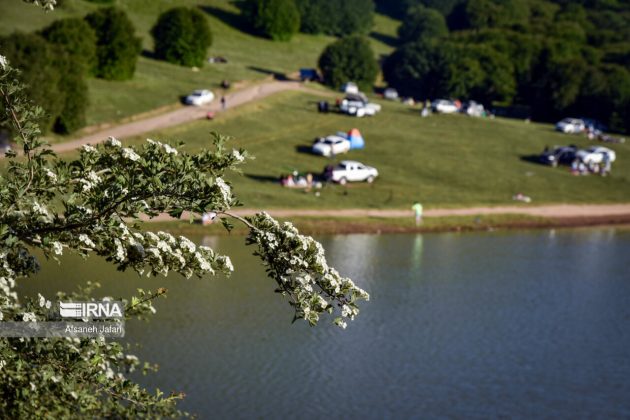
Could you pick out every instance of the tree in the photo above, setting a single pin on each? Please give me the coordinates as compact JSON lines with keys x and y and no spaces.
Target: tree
{"x":349,"y":59}
{"x":334,"y":17}
{"x":39,"y":62}
{"x":182,"y":36}
{"x":421,"y":22}
{"x":76,"y":37}
{"x":89,"y":206}
{"x":276,"y":19}
{"x":117,"y":47}
{"x":416,"y":70}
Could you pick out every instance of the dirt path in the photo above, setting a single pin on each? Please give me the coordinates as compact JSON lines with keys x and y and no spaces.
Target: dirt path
{"x":184,"y":114}
{"x":563,"y":211}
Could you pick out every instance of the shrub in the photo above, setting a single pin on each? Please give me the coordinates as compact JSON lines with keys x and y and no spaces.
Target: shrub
{"x":117,"y":47}
{"x":76,"y":37}
{"x":276,"y":19}
{"x":349,"y":59}
{"x":182,"y":36}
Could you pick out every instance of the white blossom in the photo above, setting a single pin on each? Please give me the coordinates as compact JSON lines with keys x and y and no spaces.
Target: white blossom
{"x":187,"y":244}
{"x":57,"y":248}
{"x":50,"y":174}
{"x":2,"y":362}
{"x":129,"y":154}
{"x":83,"y":238}
{"x":39,"y":209}
{"x":43,"y":303}
{"x":170,"y":150}
{"x":113,"y":142}
{"x":237,"y":155}
{"x":121,"y":253}
{"x":225,"y":189}
{"x":3,"y":62}
{"x":88,"y":148}
{"x":29,"y":317}
{"x":1,"y":316}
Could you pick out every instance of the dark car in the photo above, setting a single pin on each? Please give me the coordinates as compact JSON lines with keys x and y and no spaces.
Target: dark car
{"x":559,"y":155}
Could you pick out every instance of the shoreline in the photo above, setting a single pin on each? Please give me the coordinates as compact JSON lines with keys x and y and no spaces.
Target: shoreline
{"x":385,"y":225}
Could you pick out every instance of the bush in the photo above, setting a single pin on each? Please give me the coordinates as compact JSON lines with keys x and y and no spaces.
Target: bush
{"x":421,"y":22}
{"x":72,"y":115}
{"x":117,"y":47}
{"x":275,"y":19}
{"x":76,"y":37}
{"x":334,"y":17}
{"x":349,"y":59}
{"x":182,"y":36}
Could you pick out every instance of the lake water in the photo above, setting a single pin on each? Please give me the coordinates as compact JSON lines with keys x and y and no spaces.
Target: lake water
{"x":510,"y":324}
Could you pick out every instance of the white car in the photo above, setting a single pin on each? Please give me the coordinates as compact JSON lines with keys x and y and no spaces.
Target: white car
{"x":352,"y":171}
{"x":571,"y":126}
{"x":596,"y":154}
{"x":391,"y":94}
{"x":444,"y":106}
{"x":349,"y":87}
{"x":199,"y":97}
{"x":331,"y":145}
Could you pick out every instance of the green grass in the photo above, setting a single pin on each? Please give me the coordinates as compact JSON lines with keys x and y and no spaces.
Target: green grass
{"x":443,"y":160}
{"x":157,"y":84}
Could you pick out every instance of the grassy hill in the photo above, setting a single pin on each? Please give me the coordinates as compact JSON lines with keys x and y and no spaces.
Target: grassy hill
{"x":442,"y":160}
{"x":156,"y":83}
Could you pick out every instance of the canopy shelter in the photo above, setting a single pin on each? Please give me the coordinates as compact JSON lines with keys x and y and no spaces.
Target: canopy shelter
{"x":356,"y":139}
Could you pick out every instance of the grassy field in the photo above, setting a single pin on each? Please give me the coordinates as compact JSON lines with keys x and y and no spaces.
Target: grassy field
{"x":443,"y":160}
{"x":157,"y":84}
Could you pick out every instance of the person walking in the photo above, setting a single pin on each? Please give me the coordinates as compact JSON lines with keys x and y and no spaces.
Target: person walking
{"x":223,"y":103}
{"x":417,"y":208}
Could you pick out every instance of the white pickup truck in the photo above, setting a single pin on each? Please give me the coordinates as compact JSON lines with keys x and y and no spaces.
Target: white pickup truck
{"x":352,"y":171}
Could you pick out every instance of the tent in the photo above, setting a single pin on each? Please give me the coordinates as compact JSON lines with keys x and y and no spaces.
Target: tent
{"x":356,"y":139}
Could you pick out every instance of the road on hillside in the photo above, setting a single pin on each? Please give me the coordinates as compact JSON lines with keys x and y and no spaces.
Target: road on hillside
{"x":549,"y":211}
{"x":184,"y":114}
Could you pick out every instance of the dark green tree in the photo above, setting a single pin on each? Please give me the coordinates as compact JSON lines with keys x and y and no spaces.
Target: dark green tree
{"x":76,"y":37}
{"x":117,"y":47}
{"x":182,"y":36}
{"x":335,"y":17}
{"x":38,"y":61}
{"x":421,"y":22}
{"x":275,"y":19}
{"x":349,"y":59}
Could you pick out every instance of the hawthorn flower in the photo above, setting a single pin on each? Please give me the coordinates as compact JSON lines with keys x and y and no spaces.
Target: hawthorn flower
{"x":50,"y":174}
{"x":3,"y":62}
{"x":170,"y":150}
{"x":88,"y":148}
{"x":113,"y":142}
{"x":57,"y":248}
{"x":129,"y":154}
{"x":237,"y":155}
{"x":43,"y":303}
{"x":83,"y":238}
{"x":225,"y":189}
{"x":29,"y":317}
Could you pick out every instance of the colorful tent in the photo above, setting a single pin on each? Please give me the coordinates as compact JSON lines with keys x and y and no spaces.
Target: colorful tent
{"x":356,"y":139}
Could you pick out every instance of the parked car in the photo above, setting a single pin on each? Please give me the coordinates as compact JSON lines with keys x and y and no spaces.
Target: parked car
{"x":352,"y":171}
{"x":571,"y":125}
{"x":391,"y":94}
{"x":358,"y":105}
{"x":596,"y":154}
{"x":444,"y":106}
{"x":331,"y":145}
{"x":199,"y":97}
{"x":349,"y":87}
{"x":558,"y":155}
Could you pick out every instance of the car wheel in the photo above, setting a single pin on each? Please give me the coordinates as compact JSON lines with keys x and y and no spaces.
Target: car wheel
{"x":370,"y":179}
{"x":343,"y":181}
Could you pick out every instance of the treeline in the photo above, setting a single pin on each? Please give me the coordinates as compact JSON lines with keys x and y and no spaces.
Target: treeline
{"x":558,"y":58}
{"x":281,"y":19}
{"x":56,"y":61}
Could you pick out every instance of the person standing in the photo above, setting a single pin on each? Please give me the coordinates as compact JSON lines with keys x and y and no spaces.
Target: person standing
{"x":223,"y":103}
{"x":417,"y":209}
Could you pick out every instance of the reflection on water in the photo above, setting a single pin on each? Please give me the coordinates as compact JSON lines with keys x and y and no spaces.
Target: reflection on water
{"x":518,"y":324}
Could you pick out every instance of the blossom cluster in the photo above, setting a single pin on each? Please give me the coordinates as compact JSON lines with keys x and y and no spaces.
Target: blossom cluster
{"x":298,"y":264}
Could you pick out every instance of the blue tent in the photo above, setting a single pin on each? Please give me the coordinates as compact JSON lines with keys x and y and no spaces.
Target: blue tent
{"x":356,"y":139}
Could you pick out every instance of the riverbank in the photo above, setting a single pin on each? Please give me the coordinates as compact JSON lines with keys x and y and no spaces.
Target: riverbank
{"x":379,"y":225}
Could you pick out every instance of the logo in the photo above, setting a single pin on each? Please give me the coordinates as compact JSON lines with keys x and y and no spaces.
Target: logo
{"x":94,"y":310}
